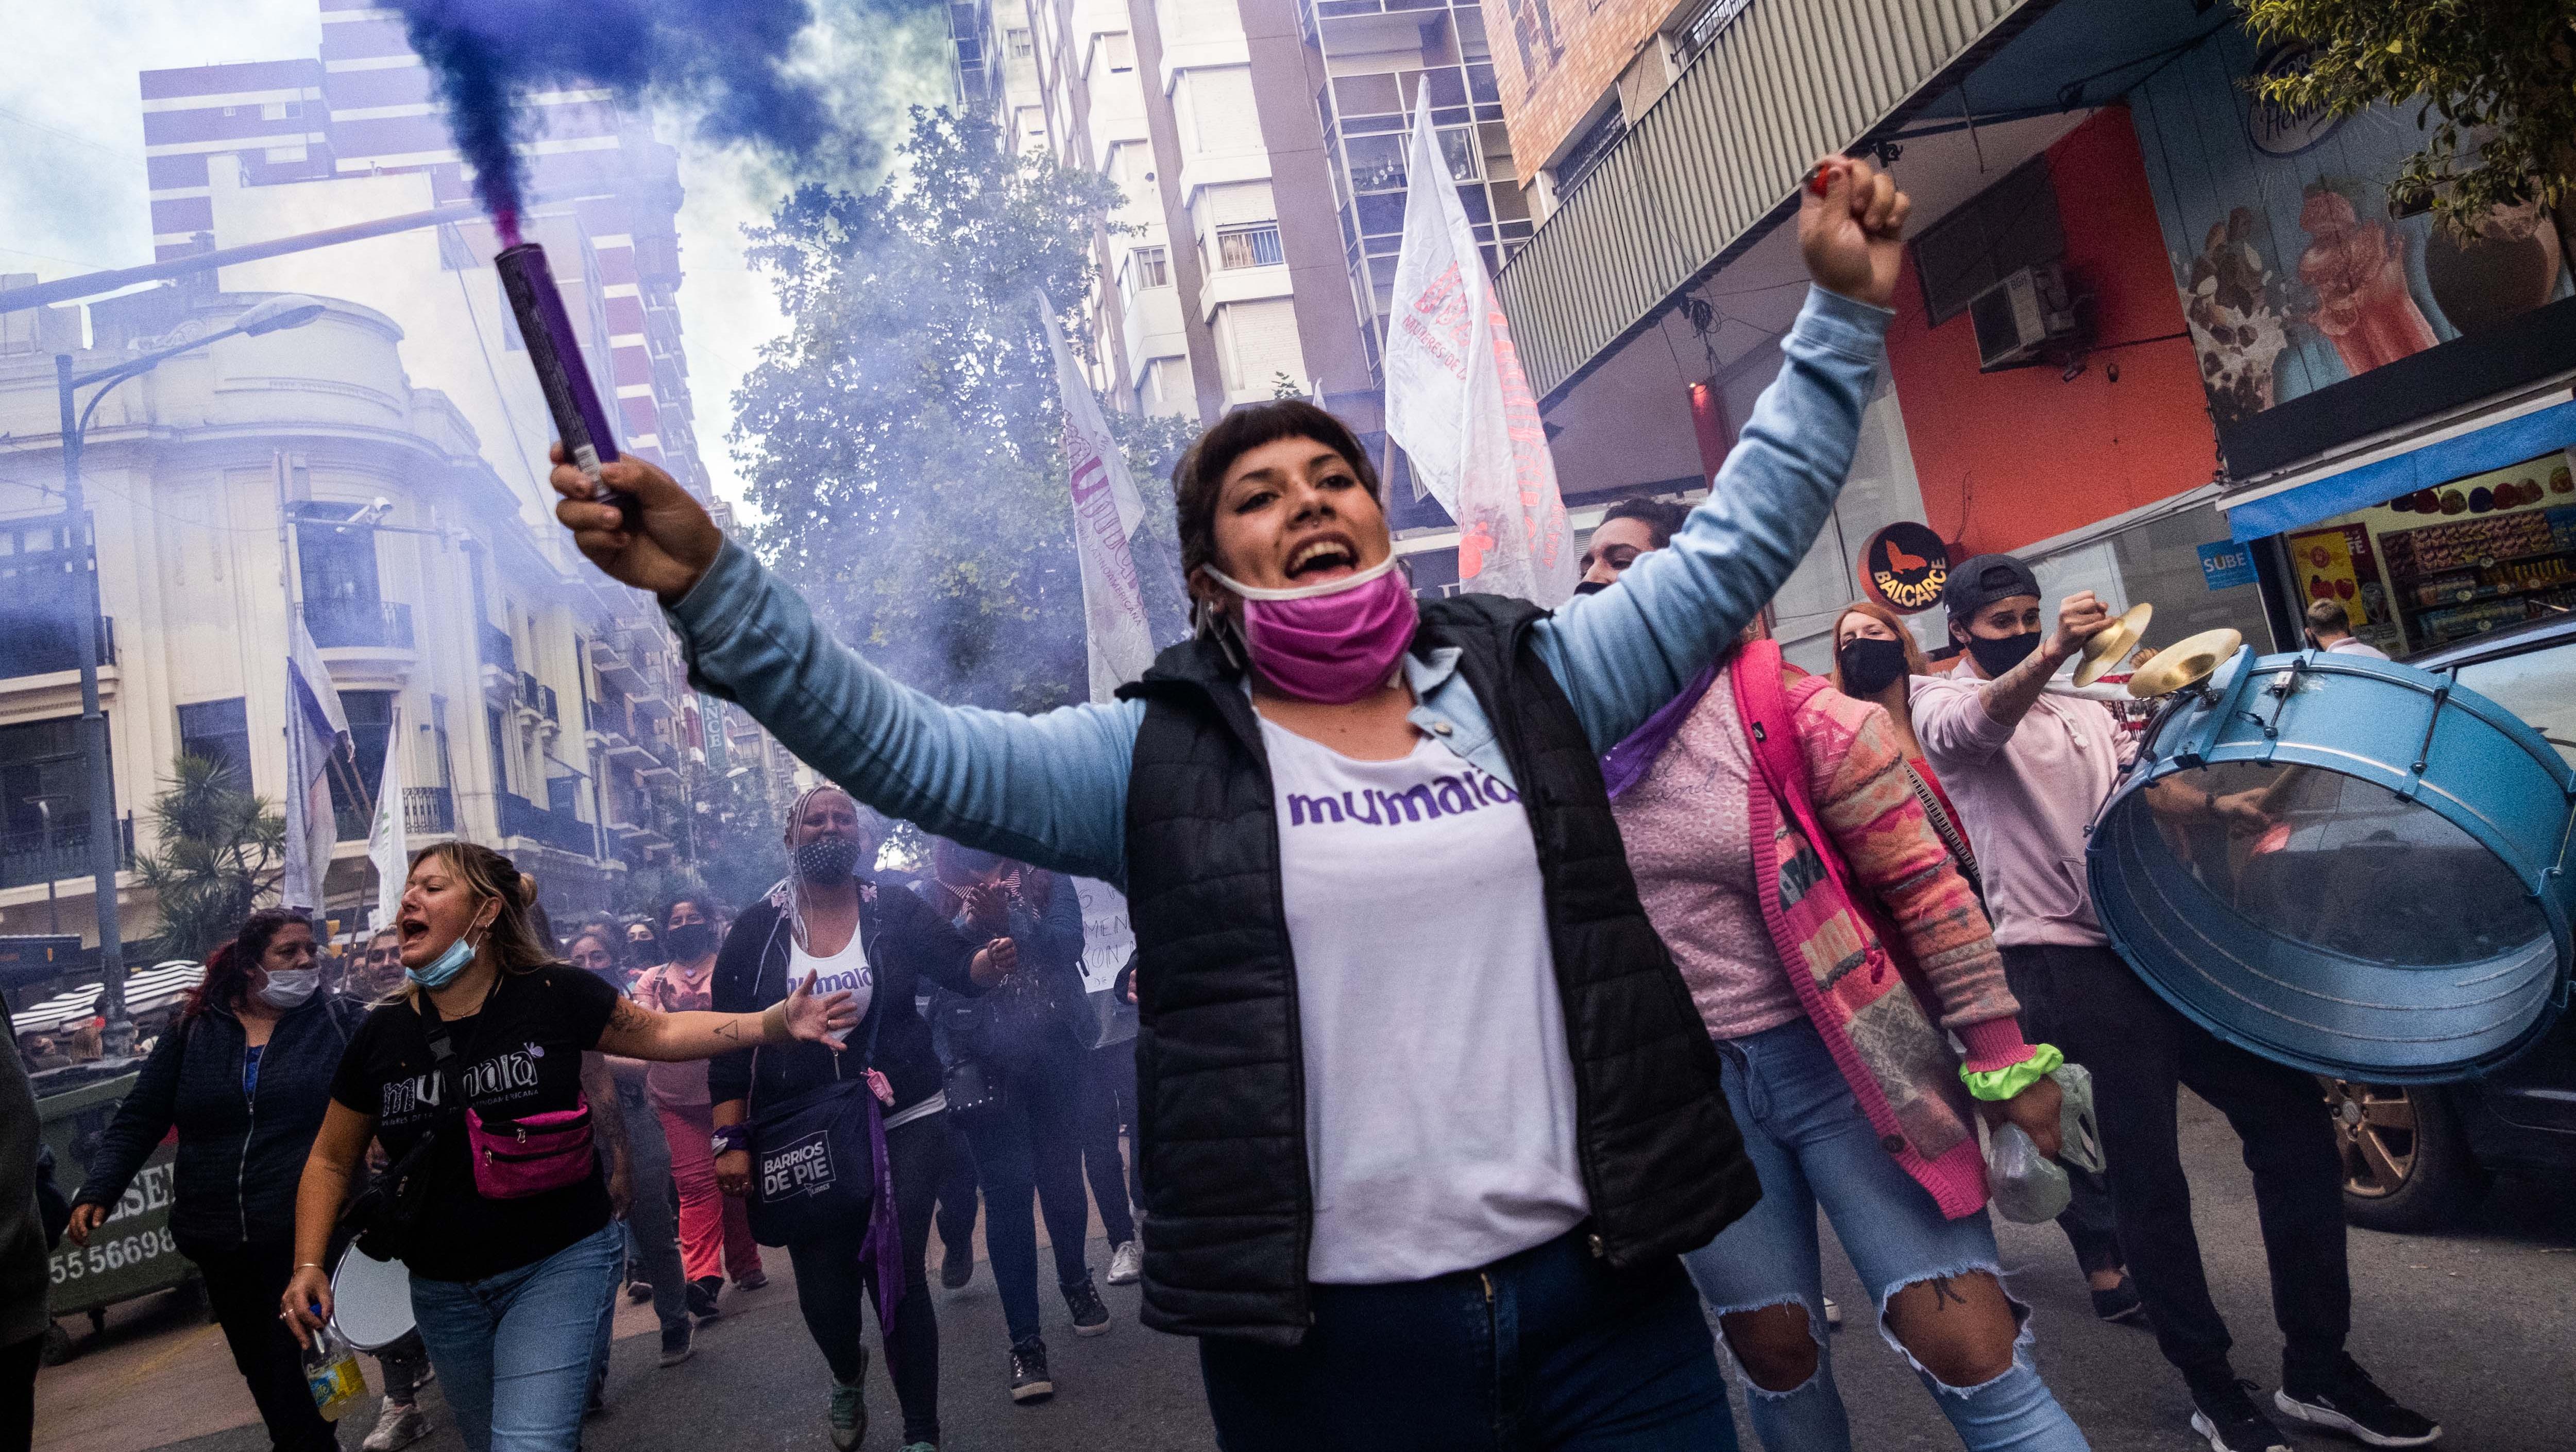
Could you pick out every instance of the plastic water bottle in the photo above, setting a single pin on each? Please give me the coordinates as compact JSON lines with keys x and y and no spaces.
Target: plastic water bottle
{"x":331,"y":1370}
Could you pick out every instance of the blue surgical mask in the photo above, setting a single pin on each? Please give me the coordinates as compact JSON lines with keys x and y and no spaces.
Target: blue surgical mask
{"x":442,"y":970}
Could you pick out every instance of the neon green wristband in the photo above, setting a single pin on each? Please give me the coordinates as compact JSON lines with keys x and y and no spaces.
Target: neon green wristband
{"x":1999,"y":1084}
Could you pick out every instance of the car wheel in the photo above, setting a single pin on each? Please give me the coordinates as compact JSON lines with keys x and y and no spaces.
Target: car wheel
{"x":2406,"y":1161}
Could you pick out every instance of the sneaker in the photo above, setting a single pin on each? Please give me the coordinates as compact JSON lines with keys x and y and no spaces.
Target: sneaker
{"x":1833,"y":1315}
{"x":1029,"y":1380}
{"x":919,"y":1447}
{"x":849,"y":1414}
{"x":2121,"y":1303}
{"x":2227,"y":1416}
{"x":1127,"y":1264}
{"x":1090,"y":1318}
{"x":751,"y":1282}
{"x":702,"y":1297}
{"x":399,"y":1424}
{"x":2348,"y":1401}
{"x":639,"y":1291}
{"x":678,"y":1342}
{"x":956,"y":1266}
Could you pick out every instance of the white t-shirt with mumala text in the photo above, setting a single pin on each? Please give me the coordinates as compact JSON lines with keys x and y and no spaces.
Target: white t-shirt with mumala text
{"x":1439,"y":1091}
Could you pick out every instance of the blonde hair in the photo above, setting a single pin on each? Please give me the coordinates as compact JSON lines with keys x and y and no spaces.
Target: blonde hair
{"x":513,"y":940}
{"x":1915,"y":664}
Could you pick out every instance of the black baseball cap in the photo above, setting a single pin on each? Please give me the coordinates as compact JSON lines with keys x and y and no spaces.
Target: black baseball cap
{"x":1981,"y":580}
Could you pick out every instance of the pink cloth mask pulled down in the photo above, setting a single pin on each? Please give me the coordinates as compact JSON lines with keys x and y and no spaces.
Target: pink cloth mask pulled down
{"x":1334,"y":642}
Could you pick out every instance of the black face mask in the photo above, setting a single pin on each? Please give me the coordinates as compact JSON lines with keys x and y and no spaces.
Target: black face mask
{"x":1998,"y":656}
{"x":690,"y":941}
{"x":826,"y":859}
{"x":1870,"y":666}
{"x":1591,"y":587}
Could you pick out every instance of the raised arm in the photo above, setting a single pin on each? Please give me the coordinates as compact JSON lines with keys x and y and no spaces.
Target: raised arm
{"x":1049,"y":789}
{"x":1624,"y":652}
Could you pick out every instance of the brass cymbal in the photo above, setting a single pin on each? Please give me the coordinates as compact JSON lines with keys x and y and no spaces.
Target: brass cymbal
{"x":2112,"y":645}
{"x":2186,"y":662}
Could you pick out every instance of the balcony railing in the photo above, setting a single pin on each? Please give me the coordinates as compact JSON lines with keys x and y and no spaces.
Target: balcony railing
{"x":497,"y":650}
{"x":32,"y":645}
{"x":378,"y":623}
{"x":29,"y":858}
{"x":429,"y":809}
{"x":563,"y":831}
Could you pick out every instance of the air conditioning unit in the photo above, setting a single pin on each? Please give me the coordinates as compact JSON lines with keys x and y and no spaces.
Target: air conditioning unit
{"x":2018,"y":318}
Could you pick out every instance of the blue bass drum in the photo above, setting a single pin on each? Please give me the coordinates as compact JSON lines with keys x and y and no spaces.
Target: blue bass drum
{"x":2378,"y":891}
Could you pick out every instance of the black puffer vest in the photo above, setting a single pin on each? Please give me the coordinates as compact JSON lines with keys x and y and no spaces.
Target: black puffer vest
{"x":1220,"y":1069}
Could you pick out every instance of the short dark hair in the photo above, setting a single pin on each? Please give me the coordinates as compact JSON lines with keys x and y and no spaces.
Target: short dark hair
{"x":2328,"y":617}
{"x":705,"y":904}
{"x":1662,"y":518}
{"x":1200,"y":473}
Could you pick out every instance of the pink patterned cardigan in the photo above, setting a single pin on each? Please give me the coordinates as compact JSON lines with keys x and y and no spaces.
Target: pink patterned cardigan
{"x":1881,"y":938}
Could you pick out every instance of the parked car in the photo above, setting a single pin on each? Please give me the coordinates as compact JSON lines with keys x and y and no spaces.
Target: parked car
{"x":2418,"y":1155}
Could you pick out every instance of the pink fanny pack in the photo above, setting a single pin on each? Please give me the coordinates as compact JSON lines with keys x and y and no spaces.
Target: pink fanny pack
{"x":516,"y":1158}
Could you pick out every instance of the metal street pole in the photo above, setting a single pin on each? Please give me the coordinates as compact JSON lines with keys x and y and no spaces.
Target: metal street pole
{"x":104,"y":838}
{"x":53,"y":907}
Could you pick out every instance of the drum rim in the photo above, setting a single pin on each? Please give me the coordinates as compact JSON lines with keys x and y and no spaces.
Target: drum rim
{"x":2189,"y":729}
{"x":411,"y":1323}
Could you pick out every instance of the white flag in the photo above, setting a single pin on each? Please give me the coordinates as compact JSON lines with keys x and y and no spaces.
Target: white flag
{"x":315,"y":733}
{"x":1106,"y":511}
{"x":1458,"y":402}
{"x":388,"y":845}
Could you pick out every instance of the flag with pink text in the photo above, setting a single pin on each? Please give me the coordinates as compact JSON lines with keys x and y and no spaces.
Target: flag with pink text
{"x":1457,"y":400}
{"x":1106,"y":511}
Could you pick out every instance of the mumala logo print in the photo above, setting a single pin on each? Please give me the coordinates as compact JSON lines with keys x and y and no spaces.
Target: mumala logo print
{"x":1448,"y":794}
{"x":802,"y":1166}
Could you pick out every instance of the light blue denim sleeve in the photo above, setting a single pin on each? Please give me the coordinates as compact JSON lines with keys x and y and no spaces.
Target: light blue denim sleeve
{"x":1624,"y":652}
{"x":1048,"y":789}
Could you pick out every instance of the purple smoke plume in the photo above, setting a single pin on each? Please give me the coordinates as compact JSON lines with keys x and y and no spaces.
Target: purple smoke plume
{"x":722,"y":58}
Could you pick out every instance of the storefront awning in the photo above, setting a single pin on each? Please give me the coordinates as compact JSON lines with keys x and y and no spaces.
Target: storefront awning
{"x":2493,"y":440}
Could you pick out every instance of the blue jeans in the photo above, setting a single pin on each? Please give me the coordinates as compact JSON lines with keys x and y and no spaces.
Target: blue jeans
{"x":515,"y":1350}
{"x":1549,"y":1350}
{"x":1811,"y":1144}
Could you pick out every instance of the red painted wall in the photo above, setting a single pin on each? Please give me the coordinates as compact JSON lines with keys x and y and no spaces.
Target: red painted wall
{"x":2012,"y":457}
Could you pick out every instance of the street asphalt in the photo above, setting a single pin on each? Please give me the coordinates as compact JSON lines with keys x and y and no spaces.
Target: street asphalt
{"x":2475,"y":1326}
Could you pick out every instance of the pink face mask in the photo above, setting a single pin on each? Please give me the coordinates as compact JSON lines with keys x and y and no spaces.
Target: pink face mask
{"x":1334,"y":642}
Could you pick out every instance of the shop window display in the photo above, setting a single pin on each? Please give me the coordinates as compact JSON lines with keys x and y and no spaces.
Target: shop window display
{"x":2448,"y":562}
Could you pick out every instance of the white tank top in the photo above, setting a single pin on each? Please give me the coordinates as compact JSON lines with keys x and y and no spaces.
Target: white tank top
{"x":845,"y":970}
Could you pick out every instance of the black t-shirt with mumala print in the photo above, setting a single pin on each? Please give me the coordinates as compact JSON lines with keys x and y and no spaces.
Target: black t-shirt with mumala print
{"x":519,"y":1056}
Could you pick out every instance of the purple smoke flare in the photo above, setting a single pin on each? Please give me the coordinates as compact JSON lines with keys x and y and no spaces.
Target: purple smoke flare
{"x":722,"y":58}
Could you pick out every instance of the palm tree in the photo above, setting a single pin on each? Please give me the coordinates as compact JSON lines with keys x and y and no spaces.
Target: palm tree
{"x":220,"y":848}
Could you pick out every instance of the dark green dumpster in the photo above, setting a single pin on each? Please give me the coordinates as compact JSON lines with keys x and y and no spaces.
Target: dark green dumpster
{"x":132,"y":1254}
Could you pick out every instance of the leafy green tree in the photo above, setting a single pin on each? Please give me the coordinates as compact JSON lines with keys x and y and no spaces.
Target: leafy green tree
{"x":901,"y":440}
{"x":220,"y":848}
{"x":2488,"y":80}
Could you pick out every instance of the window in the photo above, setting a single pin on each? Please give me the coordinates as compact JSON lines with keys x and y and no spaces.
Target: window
{"x":1256,"y":246}
{"x":1120,"y":50}
{"x":41,"y":761}
{"x":1589,"y":149}
{"x":1016,"y":41}
{"x":1152,"y":267}
{"x":218,"y":731}
{"x":492,"y":719}
{"x":371,"y":720}
{"x":2007,"y":227}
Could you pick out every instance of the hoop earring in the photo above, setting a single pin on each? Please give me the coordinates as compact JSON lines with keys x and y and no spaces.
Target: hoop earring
{"x":1209,"y":623}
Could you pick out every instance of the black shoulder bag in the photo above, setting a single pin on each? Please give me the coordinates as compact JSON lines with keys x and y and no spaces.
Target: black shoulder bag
{"x":813,"y":1167}
{"x":385,"y":1217}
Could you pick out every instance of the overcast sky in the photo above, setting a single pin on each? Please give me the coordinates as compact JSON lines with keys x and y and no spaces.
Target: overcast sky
{"x":73,"y":195}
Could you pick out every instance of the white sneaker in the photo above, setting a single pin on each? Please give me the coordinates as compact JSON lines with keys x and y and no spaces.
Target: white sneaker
{"x":1127,"y":1264}
{"x":396,"y":1426}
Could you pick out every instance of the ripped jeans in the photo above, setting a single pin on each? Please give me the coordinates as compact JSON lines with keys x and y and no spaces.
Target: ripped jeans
{"x":1811,"y":1144}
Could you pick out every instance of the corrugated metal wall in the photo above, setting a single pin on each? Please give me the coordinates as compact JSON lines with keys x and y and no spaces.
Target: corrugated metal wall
{"x":1788,"y":81}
